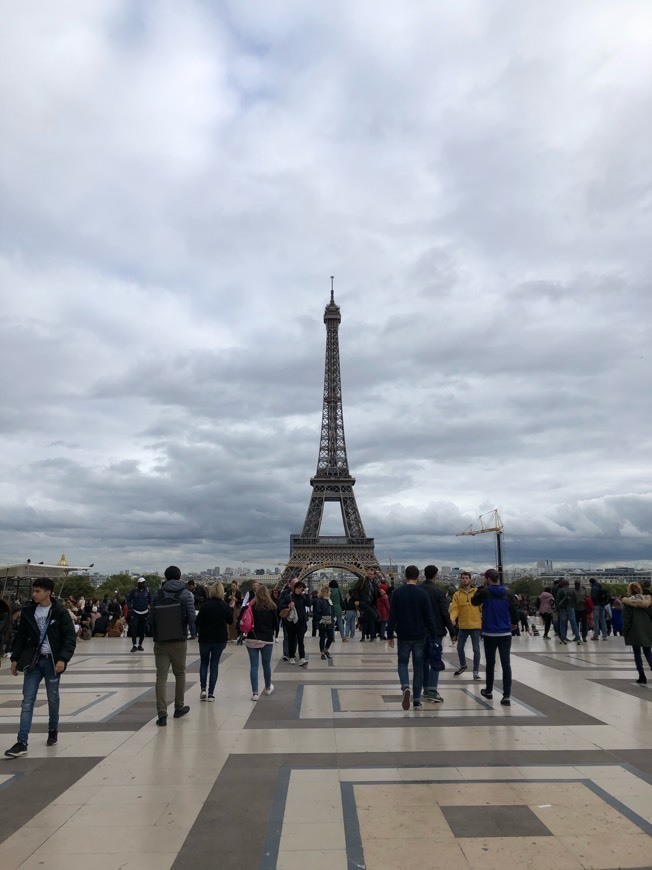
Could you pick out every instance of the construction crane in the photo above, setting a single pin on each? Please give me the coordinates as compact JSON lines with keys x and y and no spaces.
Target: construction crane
{"x":489,"y":522}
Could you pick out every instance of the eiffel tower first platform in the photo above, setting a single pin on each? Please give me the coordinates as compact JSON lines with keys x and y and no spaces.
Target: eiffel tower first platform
{"x":333,"y":482}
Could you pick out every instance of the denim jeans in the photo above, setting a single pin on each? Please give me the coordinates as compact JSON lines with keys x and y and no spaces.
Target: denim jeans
{"x":566,"y":615}
{"x":599,"y":622}
{"x":503,"y":645}
{"x":266,"y":658}
{"x":417,"y":649}
{"x":209,"y":654}
{"x":31,"y":681}
{"x":474,"y":634}
{"x":431,"y":677}
{"x":350,"y":618}
{"x":339,"y":621}
{"x":383,"y":629}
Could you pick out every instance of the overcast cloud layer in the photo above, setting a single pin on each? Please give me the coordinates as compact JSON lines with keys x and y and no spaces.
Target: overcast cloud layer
{"x":178,"y":181}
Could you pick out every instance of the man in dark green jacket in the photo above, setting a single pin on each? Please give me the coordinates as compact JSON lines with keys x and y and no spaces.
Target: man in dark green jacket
{"x":44,"y":644}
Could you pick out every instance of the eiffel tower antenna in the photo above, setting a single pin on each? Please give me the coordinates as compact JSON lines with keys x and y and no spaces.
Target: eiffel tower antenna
{"x":332,"y":482}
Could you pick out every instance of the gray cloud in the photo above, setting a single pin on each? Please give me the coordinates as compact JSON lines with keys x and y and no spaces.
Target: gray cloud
{"x":177,"y":187}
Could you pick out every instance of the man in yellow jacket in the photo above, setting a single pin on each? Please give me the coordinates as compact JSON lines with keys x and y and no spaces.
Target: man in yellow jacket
{"x":469,"y":623}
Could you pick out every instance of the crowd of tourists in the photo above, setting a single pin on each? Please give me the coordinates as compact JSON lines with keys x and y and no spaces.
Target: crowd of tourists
{"x":414,"y":616}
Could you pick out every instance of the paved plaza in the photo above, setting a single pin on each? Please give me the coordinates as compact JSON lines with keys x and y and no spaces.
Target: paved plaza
{"x":329,"y":772}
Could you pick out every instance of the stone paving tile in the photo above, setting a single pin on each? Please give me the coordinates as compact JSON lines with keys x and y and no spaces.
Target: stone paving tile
{"x":479,"y":786}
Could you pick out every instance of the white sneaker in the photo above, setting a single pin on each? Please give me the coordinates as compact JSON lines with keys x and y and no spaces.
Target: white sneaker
{"x":293,"y":661}
{"x":203,"y":695}
{"x":303,"y":663}
{"x":254,"y":697}
{"x":270,"y":690}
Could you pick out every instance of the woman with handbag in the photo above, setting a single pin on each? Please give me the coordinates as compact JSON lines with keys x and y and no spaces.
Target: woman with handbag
{"x":325,"y":616}
{"x":260,"y":639}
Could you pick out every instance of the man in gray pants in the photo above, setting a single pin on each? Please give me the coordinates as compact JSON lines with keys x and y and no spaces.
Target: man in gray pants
{"x":173,"y":652}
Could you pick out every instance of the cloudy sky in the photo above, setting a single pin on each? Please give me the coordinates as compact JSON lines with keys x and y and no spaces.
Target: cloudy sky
{"x":178,"y":180}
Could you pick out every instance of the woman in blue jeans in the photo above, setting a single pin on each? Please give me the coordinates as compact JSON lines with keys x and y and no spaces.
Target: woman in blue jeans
{"x":260,"y":640}
{"x":212,"y":620}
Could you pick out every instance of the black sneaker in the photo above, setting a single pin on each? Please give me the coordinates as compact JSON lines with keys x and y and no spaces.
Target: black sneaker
{"x":181,"y":712}
{"x":488,"y":695}
{"x":134,"y":648}
{"x":405,"y":703}
{"x":53,"y":738}
{"x":417,"y":705}
{"x":141,"y":648}
{"x":17,"y":750}
{"x":286,"y":658}
{"x":506,"y":702}
{"x":460,"y":670}
{"x":162,"y":721}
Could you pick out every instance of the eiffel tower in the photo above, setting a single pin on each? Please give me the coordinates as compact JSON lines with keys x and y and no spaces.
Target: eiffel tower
{"x":333,"y":482}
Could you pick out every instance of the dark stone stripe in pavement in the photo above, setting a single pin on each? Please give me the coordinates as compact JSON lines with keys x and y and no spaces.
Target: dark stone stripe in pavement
{"x":39,"y":781}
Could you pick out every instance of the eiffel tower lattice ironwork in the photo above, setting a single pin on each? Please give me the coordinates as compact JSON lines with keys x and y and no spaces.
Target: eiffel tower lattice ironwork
{"x":333,"y":482}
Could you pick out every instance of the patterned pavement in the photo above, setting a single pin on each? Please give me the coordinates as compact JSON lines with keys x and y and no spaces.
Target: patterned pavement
{"x":330,"y":772}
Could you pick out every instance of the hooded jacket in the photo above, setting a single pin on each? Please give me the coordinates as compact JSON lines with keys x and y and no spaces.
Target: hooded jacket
{"x":463,"y":611}
{"x":498,"y":609}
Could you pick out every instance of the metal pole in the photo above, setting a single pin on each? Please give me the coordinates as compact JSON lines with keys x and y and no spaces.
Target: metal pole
{"x":499,"y":555}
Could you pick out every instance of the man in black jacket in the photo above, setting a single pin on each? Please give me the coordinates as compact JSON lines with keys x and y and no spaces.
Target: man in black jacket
{"x":440,"y":611}
{"x":43,"y":646}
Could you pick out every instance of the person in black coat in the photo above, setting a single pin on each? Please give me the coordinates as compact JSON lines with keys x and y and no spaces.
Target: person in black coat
{"x":212,"y":620}
{"x":324,"y":613}
{"x":44,"y":644}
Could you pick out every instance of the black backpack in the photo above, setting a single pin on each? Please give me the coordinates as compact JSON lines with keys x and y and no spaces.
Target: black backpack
{"x":167,"y":617}
{"x":603,"y":598}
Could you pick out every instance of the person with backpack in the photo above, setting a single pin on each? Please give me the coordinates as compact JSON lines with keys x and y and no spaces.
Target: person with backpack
{"x":139,"y":602}
{"x":260,"y":622}
{"x":338,"y":604}
{"x":212,"y":620}
{"x":173,"y":612}
{"x":499,"y":616}
{"x":600,"y":598}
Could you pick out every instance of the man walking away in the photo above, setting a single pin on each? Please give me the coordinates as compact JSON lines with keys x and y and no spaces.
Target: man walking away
{"x":410,"y":615}
{"x":499,"y":618}
{"x":468,"y":619}
{"x":139,"y":602}
{"x":600,"y":598}
{"x":566,"y":603}
{"x":442,"y":620}
{"x":174,"y":613}
{"x":43,"y":646}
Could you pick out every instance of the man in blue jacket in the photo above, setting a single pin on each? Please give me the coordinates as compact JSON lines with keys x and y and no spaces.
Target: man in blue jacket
{"x":410,"y":614}
{"x":499,"y":618}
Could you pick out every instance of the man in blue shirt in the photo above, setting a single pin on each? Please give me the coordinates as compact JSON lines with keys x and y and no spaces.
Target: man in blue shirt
{"x":410,"y":615}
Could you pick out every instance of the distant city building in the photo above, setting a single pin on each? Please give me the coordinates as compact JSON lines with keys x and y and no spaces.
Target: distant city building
{"x":544,"y":566}
{"x":228,"y":571}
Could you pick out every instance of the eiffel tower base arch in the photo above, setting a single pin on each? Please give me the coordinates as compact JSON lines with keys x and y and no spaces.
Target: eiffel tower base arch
{"x":320,"y":554}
